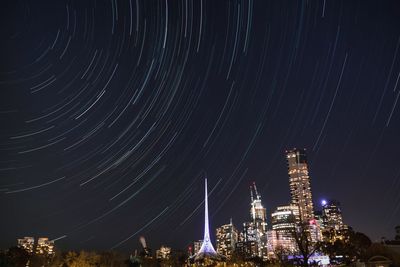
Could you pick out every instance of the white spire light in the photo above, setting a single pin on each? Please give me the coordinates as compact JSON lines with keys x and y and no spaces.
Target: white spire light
{"x":206,"y":249}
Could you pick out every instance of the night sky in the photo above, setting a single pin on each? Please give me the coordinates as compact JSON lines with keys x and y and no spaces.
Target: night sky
{"x":112,"y":113}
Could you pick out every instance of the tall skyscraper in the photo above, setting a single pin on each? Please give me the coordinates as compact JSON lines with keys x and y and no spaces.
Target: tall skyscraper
{"x":257,"y":211}
{"x":258,"y":216}
{"x":332,"y":215}
{"x":253,"y":241}
{"x":299,"y":181}
{"x":227,"y":237}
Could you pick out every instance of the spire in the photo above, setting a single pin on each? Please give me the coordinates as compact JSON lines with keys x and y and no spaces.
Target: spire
{"x":206,"y":226}
{"x":207,"y":248}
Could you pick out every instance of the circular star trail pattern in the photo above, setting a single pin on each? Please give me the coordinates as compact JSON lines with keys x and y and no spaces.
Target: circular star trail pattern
{"x":113,"y":112}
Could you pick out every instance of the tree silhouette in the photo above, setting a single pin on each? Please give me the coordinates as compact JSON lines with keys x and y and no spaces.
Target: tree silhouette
{"x":353,"y":246}
{"x":281,"y":254}
{"x":17,"y":257}
{"x":305,"y":245}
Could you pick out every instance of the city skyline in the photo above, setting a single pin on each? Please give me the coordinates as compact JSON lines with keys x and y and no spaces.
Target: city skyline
{"x":329,"y":209}
{"x":113,"y":112}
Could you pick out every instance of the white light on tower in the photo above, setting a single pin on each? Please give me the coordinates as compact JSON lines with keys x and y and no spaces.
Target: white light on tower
{"x":207,"y":246}
{"x":206,"y":250}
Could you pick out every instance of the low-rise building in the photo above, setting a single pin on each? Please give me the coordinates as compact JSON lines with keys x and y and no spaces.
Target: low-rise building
{"x":45,"y":246}
{"x":164,"y":253}
{"x":27,"y":243}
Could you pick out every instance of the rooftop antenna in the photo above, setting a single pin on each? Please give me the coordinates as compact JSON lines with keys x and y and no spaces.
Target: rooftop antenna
{"x":255,"y":189}
{"x":253,"y":211}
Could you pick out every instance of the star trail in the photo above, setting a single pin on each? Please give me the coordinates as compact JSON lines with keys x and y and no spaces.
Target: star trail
{"x":113,"y":112}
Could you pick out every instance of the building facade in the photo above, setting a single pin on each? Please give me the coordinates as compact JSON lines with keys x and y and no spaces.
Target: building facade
{"x":258,"y":215}
{"x":164,"y":253}
{"x":248,"y":246}
{"x":27,"y":243}
{"x":197,"y":246}
{"x":299,"y":182}
{"x":284,"y":221}
{"x":332,"y":215}
{"x":45,"y":246}
{"x":227,"y":237}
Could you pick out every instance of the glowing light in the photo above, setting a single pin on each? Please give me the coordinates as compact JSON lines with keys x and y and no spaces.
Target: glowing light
{"x":323,"y":202}
{"x":207,"y":247}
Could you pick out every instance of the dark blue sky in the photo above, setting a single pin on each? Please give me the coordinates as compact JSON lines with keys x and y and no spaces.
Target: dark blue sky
{"x":112,"y":112}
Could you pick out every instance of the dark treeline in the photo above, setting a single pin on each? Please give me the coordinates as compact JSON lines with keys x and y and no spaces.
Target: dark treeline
{"x":18,"y":257}
{"x":352,"y":248}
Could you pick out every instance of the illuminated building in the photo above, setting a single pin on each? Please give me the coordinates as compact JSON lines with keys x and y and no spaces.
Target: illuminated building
{"x":258,"y":216}
{"x":319,"y":219}
{"x":249,"y":232}
{"x":164,"y":253}
{"x":227,"y":237}
{"x":206,"y":251}
{"x":314,"y":229}
{"x":27,"y":243}
{"x":197,"y":246}
{"x":285,"y":218}
{"x":333,"y":227}
{"x":332,"y":215}
{"x":284,"y":222}
{"x":247,"y":249}
{"x":257,"y":211}
{"x":248,"y":246}
{"x":253,"y":239}
{"x":45,"y":246}
{"x":299,"y":181}
{"x":272,"y":243}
